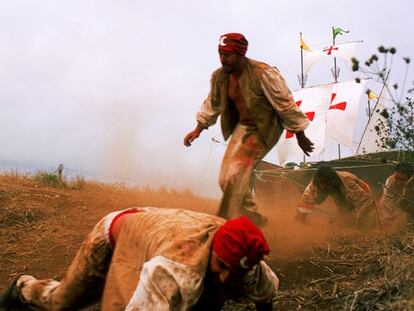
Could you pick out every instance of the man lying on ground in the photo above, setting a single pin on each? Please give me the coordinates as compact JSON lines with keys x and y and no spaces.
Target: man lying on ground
{"x":157,"y":259}
{"x":351,"y":194}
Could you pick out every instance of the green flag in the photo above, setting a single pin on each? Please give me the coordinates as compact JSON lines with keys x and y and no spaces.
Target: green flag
{"x":338,"y":31}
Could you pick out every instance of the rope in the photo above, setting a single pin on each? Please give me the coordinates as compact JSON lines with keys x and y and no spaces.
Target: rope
{"x":396,"y":194}
{"x":215,"y":140}
{"x":287,"y":170}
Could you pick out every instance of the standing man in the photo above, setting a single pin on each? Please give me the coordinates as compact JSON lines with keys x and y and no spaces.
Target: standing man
{"x":255,"y":107}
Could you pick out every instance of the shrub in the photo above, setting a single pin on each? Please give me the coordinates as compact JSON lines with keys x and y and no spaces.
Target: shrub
{"x":78,"y":183}
{"x":48,"y":179}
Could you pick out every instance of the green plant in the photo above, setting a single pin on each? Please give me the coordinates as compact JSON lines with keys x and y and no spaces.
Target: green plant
{"x":78,"y":183}
{"x":48,"y":179}
{"x":396,"y":129}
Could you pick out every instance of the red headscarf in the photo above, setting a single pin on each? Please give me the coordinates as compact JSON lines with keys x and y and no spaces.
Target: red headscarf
{"x":240,"y":243}
{"x":233,"y":43}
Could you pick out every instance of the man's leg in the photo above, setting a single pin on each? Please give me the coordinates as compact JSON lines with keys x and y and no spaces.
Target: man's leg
{"x":243,"y":153}
{"x":83,"y":282}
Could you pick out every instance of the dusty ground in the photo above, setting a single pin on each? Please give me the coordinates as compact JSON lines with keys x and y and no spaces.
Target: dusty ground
{"x":321,"y":265}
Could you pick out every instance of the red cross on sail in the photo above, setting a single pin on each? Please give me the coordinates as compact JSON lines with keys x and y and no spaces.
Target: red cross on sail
{"x":330,"y":49}
{"x":343,"y":51}
{"x":310,"y":115}
{"x":339,"y":106}
{"x":314,"y":102}
{"x":332,"y":110}
{"x":342,"y":112}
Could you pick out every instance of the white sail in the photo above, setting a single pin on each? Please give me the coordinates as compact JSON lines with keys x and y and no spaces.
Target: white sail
{"x":331,"y":110}
{"x":314,"y":102}
{"x":370,"y":141}
{"x":344,"y":51}
{"x":342,"y":114}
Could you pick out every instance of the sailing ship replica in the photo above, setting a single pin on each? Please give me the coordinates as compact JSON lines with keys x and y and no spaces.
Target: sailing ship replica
{"x":333,"y":111}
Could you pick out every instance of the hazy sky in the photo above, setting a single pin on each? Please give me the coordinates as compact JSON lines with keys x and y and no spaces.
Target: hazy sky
{"x":112,"y":87}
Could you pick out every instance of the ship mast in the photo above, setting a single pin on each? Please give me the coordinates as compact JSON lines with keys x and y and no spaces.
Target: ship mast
{"x":302,"y":77}
{"x":335,"y":72}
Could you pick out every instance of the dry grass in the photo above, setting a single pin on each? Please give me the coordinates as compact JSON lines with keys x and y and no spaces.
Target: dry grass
{"x":360,"y":272}
{"x":320,"y":267}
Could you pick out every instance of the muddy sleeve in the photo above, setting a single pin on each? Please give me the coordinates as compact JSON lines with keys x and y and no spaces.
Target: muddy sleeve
{"x":311,"y":195}
{"x":407,"y":203}
{"x":261,"y":284}
{"x":388,"y":188}
{"x":209,"y":111}
{"x":166,"y":285}
{"x":362,"y":200}
{"x":389,"y":199}
{"x":281,"y":99}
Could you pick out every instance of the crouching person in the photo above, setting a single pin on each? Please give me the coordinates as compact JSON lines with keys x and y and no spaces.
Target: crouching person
{"x":157,"y":259}
{"x":391,"y":198}
{"x":407,"y":202}
{"x":351,"y":194}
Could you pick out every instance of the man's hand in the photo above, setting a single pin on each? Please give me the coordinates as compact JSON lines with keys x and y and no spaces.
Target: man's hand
{"x":304,"y":143}
{"x":190,"y":137}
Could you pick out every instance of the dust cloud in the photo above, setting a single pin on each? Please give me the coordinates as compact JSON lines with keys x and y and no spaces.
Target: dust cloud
{"x":287,"y":236}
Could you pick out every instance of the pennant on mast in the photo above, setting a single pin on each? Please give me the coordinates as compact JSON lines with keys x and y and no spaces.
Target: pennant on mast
{"x":371,"y":95}
{"x":338,"y":31}
{"x":303,"y":45}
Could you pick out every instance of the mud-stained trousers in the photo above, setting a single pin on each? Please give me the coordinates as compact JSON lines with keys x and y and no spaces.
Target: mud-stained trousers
{"x":244,"y":151}
{"x":83,"y":282}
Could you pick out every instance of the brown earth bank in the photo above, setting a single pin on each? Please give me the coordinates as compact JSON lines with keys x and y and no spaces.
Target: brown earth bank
{"x":321,"y":264}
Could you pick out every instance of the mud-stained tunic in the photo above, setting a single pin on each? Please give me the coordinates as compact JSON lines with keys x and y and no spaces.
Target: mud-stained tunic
{"x":353,"y":197}
{"x":407,"y":203}
{"x":159,"y":263}
{"x":271,"y":109}
{"x":390,"y":211}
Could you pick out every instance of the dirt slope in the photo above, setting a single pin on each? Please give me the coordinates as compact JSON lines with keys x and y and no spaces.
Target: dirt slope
{"x":320,"y":265}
